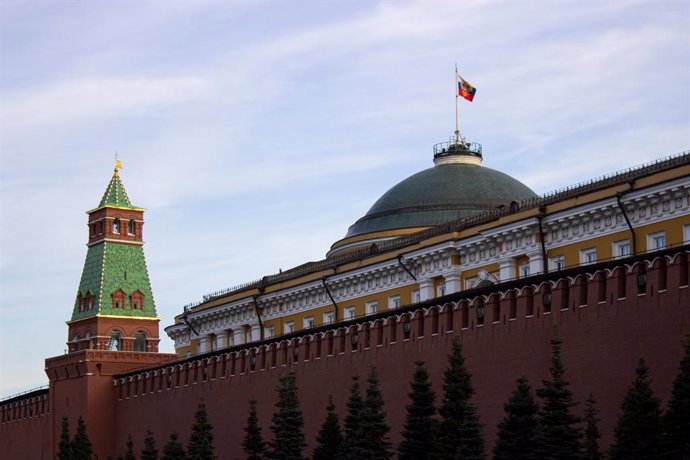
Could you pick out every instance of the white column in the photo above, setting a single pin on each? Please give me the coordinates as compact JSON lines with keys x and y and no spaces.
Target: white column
{"x":203,"y":344}
{"x":238,"y":336}
{"x":453,"y":282}
{"x":507,"y":269}
{"x":536,"y":262}
{"x":426,"y":289}
{"x":255,"y":333}
{"x":221,"y":340}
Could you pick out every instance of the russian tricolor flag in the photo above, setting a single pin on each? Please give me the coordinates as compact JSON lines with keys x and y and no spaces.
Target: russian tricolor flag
{"x":465,"y":89}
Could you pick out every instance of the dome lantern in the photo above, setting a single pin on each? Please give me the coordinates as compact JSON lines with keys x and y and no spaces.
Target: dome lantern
{"x":457,"y":152}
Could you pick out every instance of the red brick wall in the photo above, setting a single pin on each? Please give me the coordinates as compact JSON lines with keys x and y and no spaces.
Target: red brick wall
{"x":602,"y":343}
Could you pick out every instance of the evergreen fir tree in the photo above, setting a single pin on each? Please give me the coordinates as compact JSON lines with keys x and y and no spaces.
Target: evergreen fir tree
{"x":173,"y":450}
{"x":65,"y":446}
{"x":253,"y":444}
{"x":677,"y":420}
{"x":330,"y":439}
{"x":149,"y":452}
{"x":373,"y":429}
{"x":200,"y":445}
{"x":592,"y":435}
{"x":288,"y":438}
{"x":459,"y":432}
{"x":559,"y":435}
{"x":81,"y":445}
{"x":129,"y":454}
{"x":518,"y":429}
{"x":638,"y":431}
{"x":419,"y":425}
{"x":355,"y":405}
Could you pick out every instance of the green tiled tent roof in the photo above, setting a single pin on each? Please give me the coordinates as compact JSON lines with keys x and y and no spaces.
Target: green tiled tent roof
{"x":110,"y":267}
{"x":115,"y":194}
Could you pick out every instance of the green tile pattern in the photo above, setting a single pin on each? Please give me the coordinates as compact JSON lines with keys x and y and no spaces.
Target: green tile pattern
{"x":113,"y":266}
{"x":115,"y":194}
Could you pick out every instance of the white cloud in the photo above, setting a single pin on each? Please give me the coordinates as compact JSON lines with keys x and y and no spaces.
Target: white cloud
{"x":93,"y":100}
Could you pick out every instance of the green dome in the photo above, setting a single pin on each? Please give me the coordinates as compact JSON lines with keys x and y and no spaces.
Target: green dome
{"x":438,"y":195}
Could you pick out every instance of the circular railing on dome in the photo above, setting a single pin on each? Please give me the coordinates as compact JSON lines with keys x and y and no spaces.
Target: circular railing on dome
{"x":455,"y":147}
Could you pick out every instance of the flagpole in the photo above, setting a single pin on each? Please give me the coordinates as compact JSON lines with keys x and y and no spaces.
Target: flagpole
{"x":457,"y":130}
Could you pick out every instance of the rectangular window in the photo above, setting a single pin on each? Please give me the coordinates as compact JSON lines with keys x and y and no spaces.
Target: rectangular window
{"x":349,"y":313}
{"x":328,"y":317}
{"x":557,"y":262}
{"x":308,"y":322}
{"x":588,"y":256}
{"x":686,"y":234}
{"x":371,"y":307}
{"x":393,"y":302}
{"x":289,"y":327}
{"x":269,"y":332}
{"x":621,"y":248}
{"x":441,"y":290}
{"x":524,"y":270}
{"x":416,"y":296}
{"x":656,"y":241}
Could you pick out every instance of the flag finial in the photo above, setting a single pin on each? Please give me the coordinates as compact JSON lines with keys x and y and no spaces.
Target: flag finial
{"x":118,"y":163}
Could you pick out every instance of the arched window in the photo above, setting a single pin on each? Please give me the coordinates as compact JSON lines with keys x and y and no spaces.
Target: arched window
{"x":116,"y":225}
{"x":139,"y":341}
{"x":131,"y":227}
{"x":89,"y":342}
{"x":115,"y":342}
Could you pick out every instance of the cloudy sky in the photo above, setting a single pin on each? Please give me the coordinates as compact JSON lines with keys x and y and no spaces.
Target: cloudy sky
{"x":255,"y":132}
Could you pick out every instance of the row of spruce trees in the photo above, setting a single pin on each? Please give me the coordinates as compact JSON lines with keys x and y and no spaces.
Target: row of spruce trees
{"x":528,"y":430}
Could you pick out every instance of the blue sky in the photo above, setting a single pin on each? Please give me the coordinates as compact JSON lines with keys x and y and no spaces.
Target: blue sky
{"x":256,"y":132}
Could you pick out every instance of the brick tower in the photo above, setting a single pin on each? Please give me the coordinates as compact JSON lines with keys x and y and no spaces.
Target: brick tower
{"x":114,"y":308}
{"x":114,"y":327}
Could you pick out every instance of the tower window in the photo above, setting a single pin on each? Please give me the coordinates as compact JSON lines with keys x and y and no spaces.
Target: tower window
{"x":140,"y":341}
{"x":131,"y":227}
{"x":115,"y":342}
{"x":136,"y":300}
{"x":118,"y":299}
{"x":116,"y":225}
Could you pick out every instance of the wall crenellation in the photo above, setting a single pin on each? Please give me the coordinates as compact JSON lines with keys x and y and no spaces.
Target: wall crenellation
{"x":549,"y":301}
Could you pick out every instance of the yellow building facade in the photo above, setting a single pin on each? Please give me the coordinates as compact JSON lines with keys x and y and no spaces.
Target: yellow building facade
{"x":453,"y":227}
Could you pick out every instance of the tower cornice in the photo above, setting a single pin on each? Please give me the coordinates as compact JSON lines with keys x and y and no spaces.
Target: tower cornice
{"x":125,"y":208}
